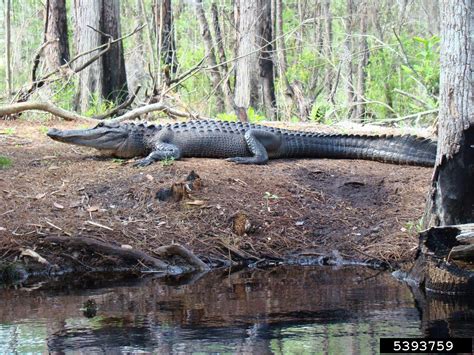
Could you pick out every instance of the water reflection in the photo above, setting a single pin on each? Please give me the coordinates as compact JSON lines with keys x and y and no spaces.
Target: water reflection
{"x":279,"y":310}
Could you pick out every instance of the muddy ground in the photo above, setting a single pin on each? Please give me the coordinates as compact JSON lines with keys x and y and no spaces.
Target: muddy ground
{"x":349,"y":209}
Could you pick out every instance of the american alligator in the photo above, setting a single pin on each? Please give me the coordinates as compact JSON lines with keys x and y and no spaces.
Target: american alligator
{"x":242,"y":143}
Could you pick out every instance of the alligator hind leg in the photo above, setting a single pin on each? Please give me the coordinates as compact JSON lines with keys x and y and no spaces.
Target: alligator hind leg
{"x":162,"y":151}
{"x":260,"y":143}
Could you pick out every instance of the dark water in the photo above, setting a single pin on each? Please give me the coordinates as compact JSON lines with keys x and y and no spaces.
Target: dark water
{"x":284,"y":310}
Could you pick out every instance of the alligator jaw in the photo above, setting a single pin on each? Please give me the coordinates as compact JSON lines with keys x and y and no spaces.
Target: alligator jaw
{"x":97,"y":137}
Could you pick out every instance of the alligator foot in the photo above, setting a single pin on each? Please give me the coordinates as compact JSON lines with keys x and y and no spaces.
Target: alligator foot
{"x":246,"y":160}
{"x":143,"y":162}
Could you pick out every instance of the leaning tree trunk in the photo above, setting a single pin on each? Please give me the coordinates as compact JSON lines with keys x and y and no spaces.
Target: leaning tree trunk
{"x":114,"y":84}
{"x":446,"y":253}
{"x":57,"y":50}
{"x":327,"y":47}
{"x":87,"y":13}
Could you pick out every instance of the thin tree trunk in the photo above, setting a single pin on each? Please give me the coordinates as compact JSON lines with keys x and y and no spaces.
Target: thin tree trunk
{"x":87,"y":13}
{"x":216,"y":79}
{"x":348,"y":58}
{"x":8,"y":50}
{"x":452,"y":196}
{"x":327,"y":46}
{"x":164,"y":30}
{"x":57,"y":51}
{"x":222,"y":57}
{"x":114,"y":84}
{"x":266,"y":60}
{"x":363,"y":52}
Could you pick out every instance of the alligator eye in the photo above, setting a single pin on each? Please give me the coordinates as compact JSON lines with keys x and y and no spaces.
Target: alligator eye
{"x":101,"y":124}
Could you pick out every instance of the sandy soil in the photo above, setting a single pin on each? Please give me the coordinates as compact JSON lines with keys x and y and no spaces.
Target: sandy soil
{"x":302,"y":207}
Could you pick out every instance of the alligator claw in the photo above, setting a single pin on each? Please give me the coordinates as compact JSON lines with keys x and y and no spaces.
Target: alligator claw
{"x":142,"y":163}
{"x":241,"y":160}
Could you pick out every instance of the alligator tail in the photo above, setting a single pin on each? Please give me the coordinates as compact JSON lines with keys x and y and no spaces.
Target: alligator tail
{"x":407,"y":149}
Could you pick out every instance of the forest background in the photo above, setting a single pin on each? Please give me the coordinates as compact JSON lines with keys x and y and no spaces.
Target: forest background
{"x":298,"y":60}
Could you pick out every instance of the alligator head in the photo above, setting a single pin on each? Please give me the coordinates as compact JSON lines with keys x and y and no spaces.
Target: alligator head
{"x":122,"y":141}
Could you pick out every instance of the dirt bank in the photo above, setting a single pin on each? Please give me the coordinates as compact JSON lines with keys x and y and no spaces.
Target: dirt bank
{"x":301,"y":207}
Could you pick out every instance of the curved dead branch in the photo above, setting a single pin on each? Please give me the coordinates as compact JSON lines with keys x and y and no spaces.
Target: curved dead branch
{"x":73,"y":116}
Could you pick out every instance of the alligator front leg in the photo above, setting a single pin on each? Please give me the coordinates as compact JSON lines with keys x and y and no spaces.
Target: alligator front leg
{"x":162,"y":151}
{"x":259,"y":142}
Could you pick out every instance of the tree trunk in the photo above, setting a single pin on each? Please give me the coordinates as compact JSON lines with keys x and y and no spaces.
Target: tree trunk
{"x":8,"y":47}
{"x":452,"y":196}
{"x":266,"y":60}
{"x":164,"y":30}
{"x":57,"y":51}
{"x":114,"y":84}
{"x":216,"y":79}
{"x":451,"y":204}
{"x":249,"y":82}
{"x":223,"y":68}
{"x":363,"y":52}
{"x":327,"y":47}
{"x":87,"y":13}
{"x":347,"y":58}
{"x":246,"y":80}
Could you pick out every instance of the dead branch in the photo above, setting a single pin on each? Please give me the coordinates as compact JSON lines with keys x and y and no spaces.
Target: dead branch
{"x":123,"y":105}
{"x":179,"y":250}
{"x":73,"y":116}
{"x":98,"y":246}
{"x":160,"y":106}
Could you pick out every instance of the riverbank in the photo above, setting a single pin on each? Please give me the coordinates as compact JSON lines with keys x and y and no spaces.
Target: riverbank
{"x":298,"y":209}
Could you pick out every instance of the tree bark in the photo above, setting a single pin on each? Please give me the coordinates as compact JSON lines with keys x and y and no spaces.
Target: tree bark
{"x":347,"y":58}
{"x":223,"y":68}
{"x":8,"y":47}
{"x":451,"y":203}
{"x":249,"y":72}
{"x":452,"y":195}
{"x":57,"y":50}
{"x":114,"y":84}
{"x":266,"y":60}
{"x":216,"y":79}
{"x":87,"y":13}
{"x":363,"y":52}
{"x":164,"y":30}
{"x":327,"y":46}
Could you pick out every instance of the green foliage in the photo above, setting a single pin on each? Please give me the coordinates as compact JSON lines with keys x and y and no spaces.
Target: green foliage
{"x":388,"y":71}
{"x":167,"y":162}
{"x":229,"y":117}
{"x":98,"y":105}
{"x":43,"y":129}
{"x":64,"y":94}
{"x":9,"y":131}
{"x":5,"y":162}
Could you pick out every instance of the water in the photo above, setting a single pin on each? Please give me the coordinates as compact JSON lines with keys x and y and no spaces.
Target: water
{"x":283,"y":310}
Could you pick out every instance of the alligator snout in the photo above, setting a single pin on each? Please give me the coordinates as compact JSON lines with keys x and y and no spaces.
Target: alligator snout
{"x":53,"y":132}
